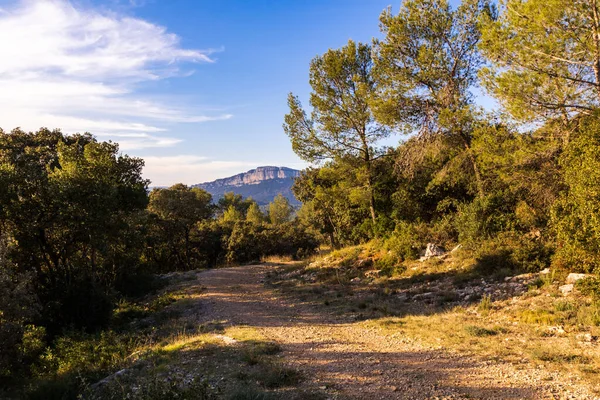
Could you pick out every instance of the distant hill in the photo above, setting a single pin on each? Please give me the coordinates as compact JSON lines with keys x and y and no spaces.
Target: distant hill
{"x":262,"y":184}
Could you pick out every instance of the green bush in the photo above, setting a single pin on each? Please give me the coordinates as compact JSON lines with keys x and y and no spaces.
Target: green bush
{"x":250,"y":242}
{"x":390,"y":265}
{"x":576,"y":215}
{"x":482,"y":218}
{"x":404,"y":242}
{"x":20,"y":341}
{"x":512,"y":252}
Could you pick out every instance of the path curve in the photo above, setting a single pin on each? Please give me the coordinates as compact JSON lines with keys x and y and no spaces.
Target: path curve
{"x":348,"y":360}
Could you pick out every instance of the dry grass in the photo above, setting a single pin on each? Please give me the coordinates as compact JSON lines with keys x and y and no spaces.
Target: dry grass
{"x":539,"y":326}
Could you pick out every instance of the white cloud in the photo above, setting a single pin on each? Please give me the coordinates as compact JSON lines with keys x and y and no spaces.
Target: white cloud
{"x":190,"y":169}
{"x":78,"y":69}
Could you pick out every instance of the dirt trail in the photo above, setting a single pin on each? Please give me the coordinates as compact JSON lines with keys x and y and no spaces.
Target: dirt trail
{"x":349,"y":360}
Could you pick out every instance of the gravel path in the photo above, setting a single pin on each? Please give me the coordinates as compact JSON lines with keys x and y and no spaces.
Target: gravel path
{"x":348,"y":360}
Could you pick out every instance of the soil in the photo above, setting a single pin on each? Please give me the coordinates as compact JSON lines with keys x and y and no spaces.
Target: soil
{"x":351,"y":360}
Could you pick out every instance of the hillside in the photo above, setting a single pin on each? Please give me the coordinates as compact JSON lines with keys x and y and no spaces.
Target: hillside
{"x":262,"y":184}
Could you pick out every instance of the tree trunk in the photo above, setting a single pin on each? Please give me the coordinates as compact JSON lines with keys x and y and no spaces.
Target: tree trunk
{"x":368,"y":163}
{"x":371,"y":199}
{"x":596,"y":35}
{"x":478,"y":179}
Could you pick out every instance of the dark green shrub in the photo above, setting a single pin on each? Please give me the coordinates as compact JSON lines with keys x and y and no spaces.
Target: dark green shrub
{"x":405,"y":242}
{"x":511,"y":252}
{"x":576,"y":215}
{"x":21,"y":341}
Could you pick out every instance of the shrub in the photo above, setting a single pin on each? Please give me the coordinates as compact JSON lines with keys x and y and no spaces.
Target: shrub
{"x":20,"y":340}
{"x":404,"y":242}
{"x":250,"y":242}
{"x":482,"y":218}
{"x":511,"y":252}
{"x":576,"y":215}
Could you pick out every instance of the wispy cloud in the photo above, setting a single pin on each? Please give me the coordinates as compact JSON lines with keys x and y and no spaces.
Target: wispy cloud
{"x":79,"y":69}
{"x":190,"y":169}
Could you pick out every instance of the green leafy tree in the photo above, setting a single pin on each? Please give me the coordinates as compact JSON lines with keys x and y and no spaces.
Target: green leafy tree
{"x":341,"y":126}
{"x":70,"y":202}
{"x":545,"y":58}
{"x":232,"y":214}
{"x":179,"y":209}
{"x":576,"y":215}
{"x":19,"y":308}
{"x":254,"y":214}
{"x":425,"y":68}
{"x":280,"y":210}
{"x":237,"y":201}
{"x":333,"y":203}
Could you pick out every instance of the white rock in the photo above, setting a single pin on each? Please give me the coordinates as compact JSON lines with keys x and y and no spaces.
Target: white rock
{"x":573,"y":277}
{"x":556,"y":330}
{"x":545,"y":271}
{"x":566,"y":289}
{"x":434,"y":250}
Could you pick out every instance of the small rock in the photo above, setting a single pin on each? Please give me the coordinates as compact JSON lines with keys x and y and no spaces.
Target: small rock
{"x":355,"y":280}
{"x":573,"y":277}
{"x":433,"y":250}
{"x":545,"y":271}
{"x":556,"y":330}
{"x":566,"y":289}
{"x":373,"y":274}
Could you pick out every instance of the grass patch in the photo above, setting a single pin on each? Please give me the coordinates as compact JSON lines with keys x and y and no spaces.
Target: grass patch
{"x":478,"y":331}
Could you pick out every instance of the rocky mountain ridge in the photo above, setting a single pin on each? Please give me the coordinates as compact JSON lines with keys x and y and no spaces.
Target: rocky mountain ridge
{"x":262,"y":184}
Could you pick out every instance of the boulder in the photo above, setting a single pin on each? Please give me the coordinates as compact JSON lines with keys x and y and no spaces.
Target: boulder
{"x":573,"y":277}
{"x":433,"y":250}
{"x":566,"y":289}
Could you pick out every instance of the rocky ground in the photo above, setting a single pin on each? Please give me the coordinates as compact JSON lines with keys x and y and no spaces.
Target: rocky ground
{"x":354,"y":359}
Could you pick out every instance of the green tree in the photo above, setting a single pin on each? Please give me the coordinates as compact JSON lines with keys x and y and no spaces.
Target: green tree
{"x":280,"y":210}
{"x":254,"y":214}
{"x":179,"y":209}
{"x":341,"y":126}
{"x":425,"y":68}
{"x":70,"y":203}
{"x":333,"y":203}
{"x":232,"y":214}
{"x":19,"y":308}
{"x":545,"y":58}
{"x":237,"y":201}
{"x":576,"y":215}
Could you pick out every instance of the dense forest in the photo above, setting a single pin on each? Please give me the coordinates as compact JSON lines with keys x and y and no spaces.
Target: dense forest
{"x":518,"y":187}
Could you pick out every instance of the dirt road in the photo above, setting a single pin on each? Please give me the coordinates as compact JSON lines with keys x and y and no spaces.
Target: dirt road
{"x":351,"y":360}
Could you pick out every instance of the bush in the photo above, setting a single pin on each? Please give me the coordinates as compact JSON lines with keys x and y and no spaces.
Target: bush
{"x":83,"y":303}
{"x":483,"y":218}
{"x":404,"y":242}
{"x":21,"y":341}
{"x":511,"y":252}
{"x":250,"y":242}
{"x":576,"y":216}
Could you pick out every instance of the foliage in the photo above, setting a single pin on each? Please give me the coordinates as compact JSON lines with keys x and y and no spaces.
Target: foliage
{"x":177,"y":210}
{"x":575,"y":215}
{"x":341,"y":126}
{"x":249,"y":242}
{"x":255,"y":215}
{"x":545,"y":56}
{"x":70,"y":204}
{"x":280,"y":210}
{"x":19,"y":307}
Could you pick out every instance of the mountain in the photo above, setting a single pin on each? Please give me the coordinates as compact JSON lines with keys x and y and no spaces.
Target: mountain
{"x":262,"y":184}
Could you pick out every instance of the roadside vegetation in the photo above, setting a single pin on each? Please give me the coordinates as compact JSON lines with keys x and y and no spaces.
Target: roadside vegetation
{"x":504,"y":206}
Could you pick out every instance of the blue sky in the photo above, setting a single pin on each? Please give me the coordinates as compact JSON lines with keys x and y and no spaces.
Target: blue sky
{"x":197,"y":88}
